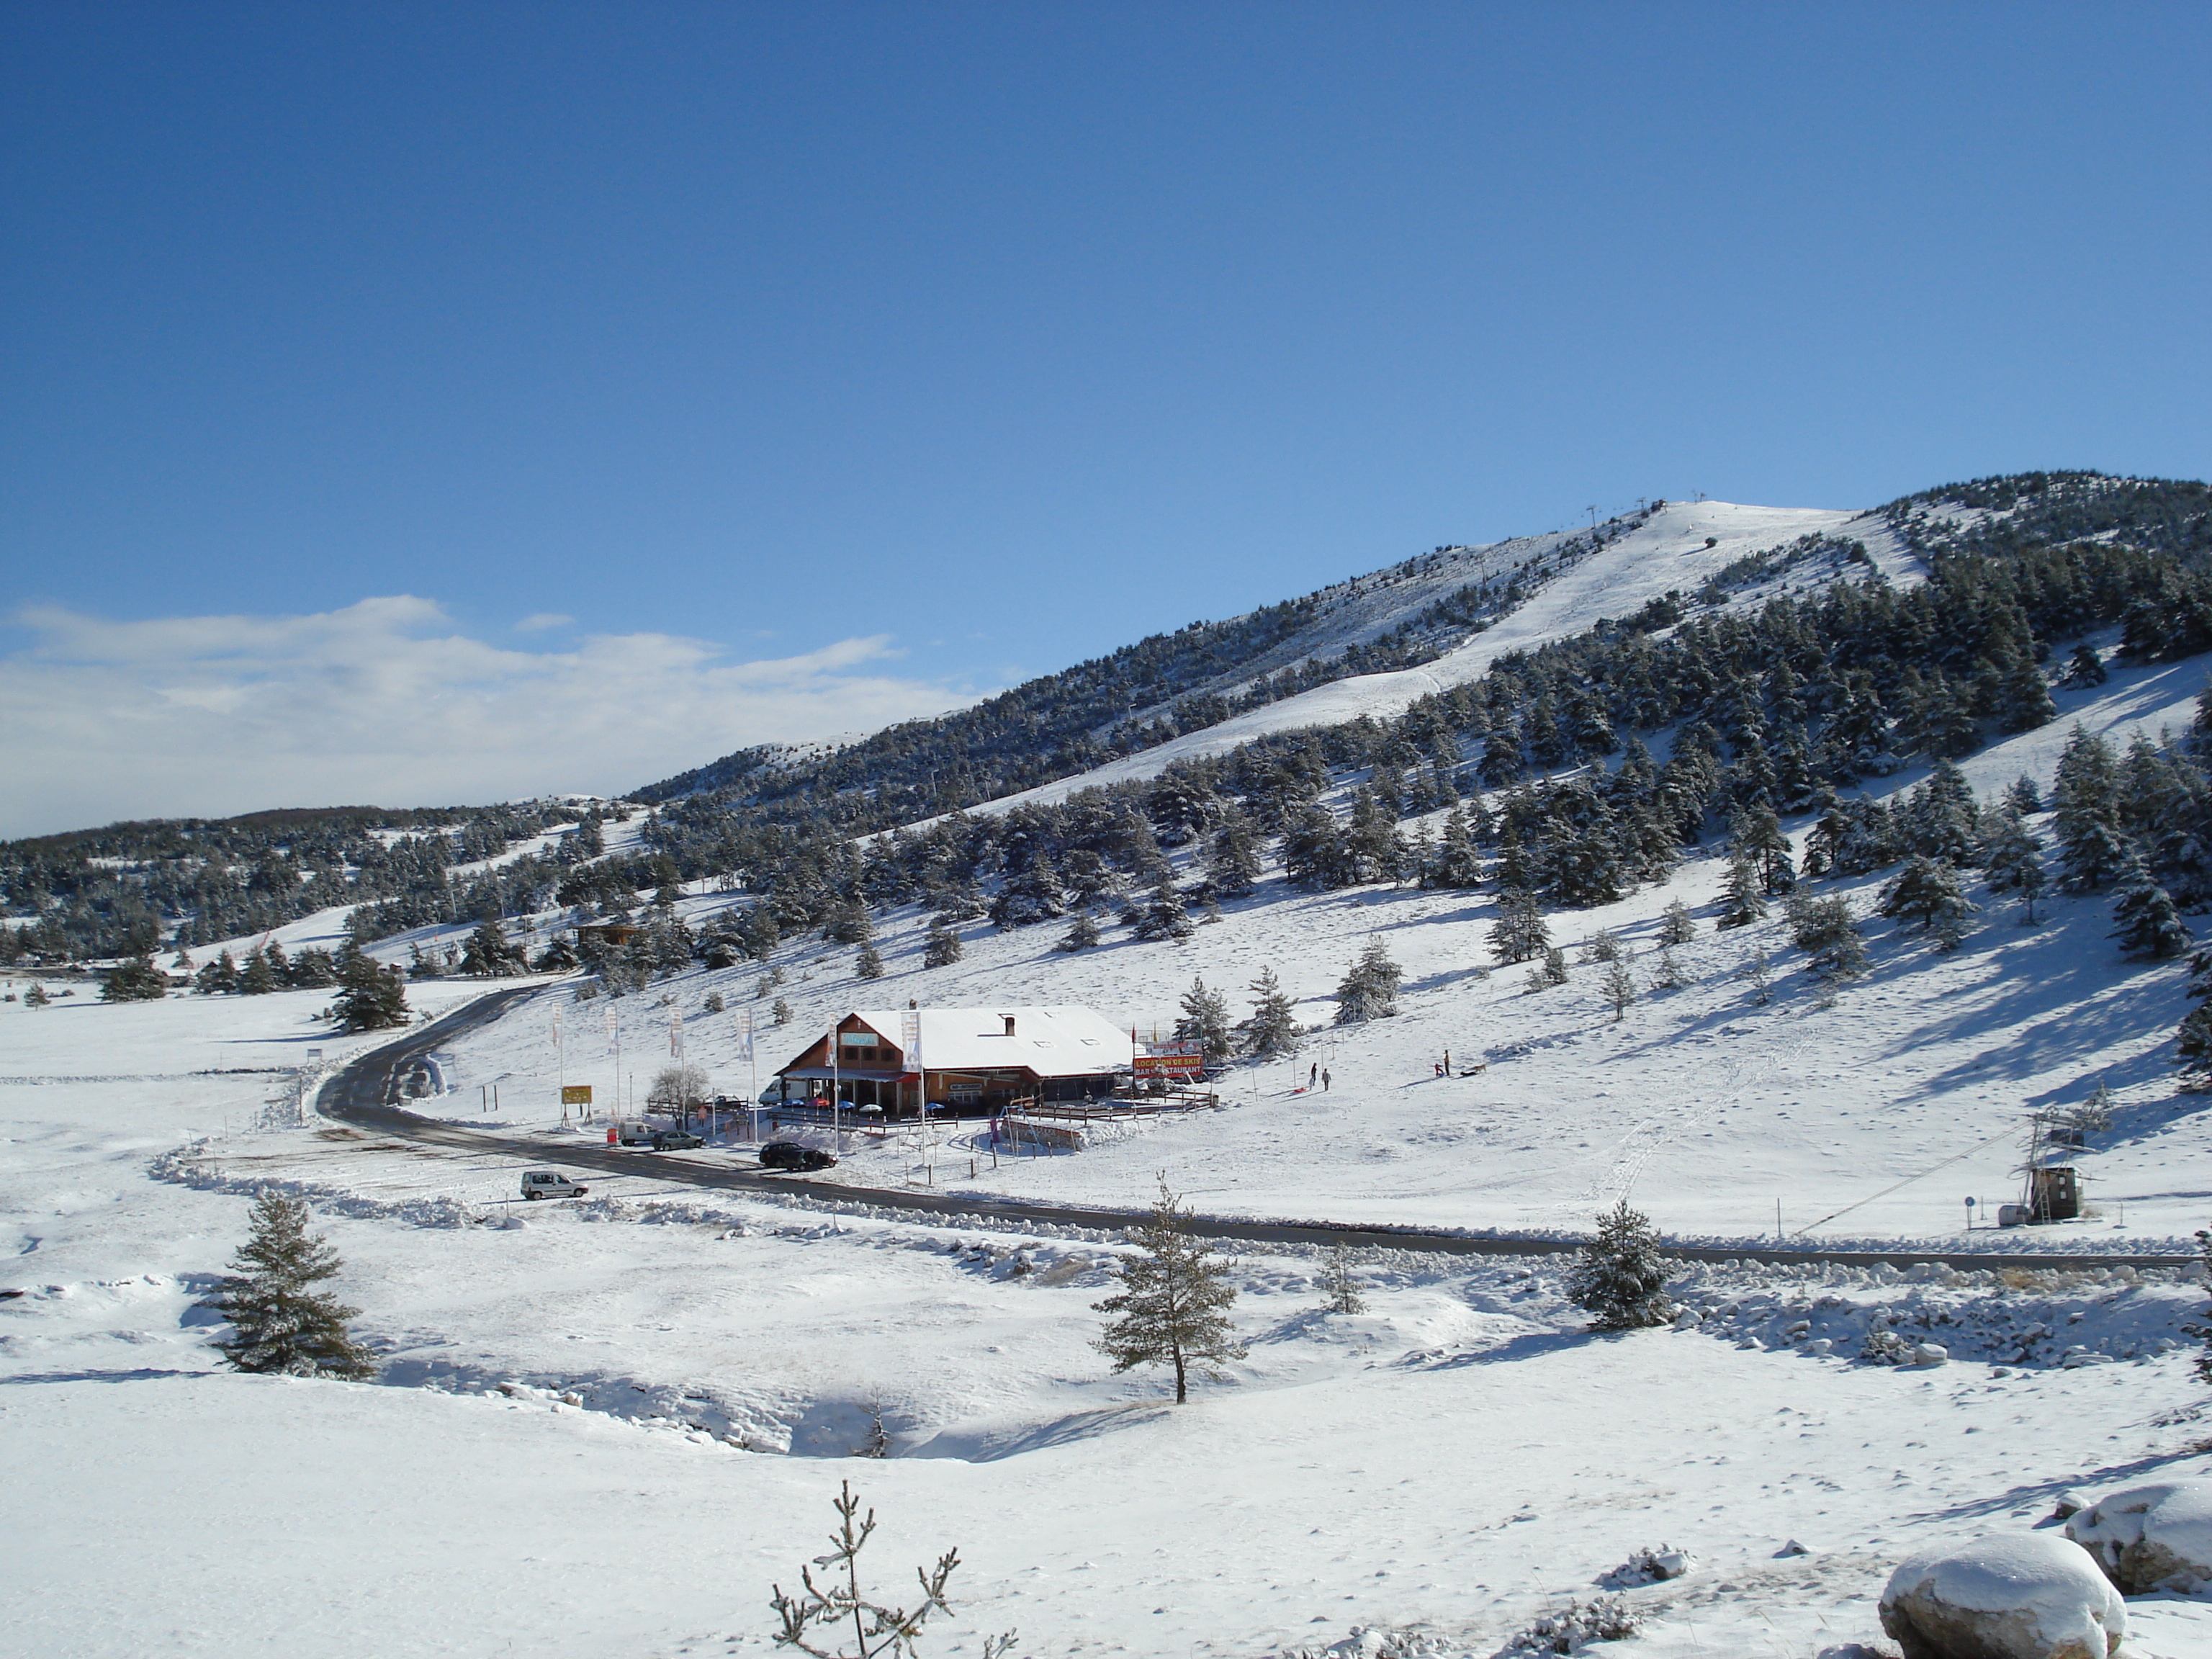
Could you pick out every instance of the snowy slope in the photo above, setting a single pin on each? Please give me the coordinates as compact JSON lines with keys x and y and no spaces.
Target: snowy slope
{"x":1667,"y":552}
{"x":552,"y":1461}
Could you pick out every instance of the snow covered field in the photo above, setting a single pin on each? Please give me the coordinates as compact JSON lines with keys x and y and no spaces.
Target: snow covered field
{"x":607,"y":1427}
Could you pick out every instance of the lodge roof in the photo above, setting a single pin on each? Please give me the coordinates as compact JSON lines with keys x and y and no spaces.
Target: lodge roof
{"x":1062,"y":1040}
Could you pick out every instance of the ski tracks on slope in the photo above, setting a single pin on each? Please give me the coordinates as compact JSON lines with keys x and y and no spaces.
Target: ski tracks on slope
{"x":1659,"y":1128}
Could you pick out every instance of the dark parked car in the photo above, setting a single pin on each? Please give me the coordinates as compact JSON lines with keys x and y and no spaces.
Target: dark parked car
{"x":790,"y":1154}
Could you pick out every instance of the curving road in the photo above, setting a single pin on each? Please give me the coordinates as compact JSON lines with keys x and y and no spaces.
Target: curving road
{"x":364,"y":1091}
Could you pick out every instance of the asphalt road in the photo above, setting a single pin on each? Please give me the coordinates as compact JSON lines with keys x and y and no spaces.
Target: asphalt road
{"x":364,"y":1093}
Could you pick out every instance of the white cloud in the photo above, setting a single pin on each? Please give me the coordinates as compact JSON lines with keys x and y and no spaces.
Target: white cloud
{"x":540,"y":621}
{"x":386,"y":701}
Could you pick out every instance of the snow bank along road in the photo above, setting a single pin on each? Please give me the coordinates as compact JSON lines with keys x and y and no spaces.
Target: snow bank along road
{"x":361,"y":1091}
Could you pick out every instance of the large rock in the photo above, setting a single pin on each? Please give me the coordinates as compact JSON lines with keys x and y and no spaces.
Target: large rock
{"x":2151,"y":1538}
{"x":2020,"y":1596}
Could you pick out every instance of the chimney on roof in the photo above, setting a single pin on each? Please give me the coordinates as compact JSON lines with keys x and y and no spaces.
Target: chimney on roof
{"x":1010,"y":1024}
{"x":911,"y":1003}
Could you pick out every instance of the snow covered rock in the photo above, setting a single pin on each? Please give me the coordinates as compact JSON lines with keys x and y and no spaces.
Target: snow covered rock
{"x":2030,"y":1596}
{"x":2151,"y":1538}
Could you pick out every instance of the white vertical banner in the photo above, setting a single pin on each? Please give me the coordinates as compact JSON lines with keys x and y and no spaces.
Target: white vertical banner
{"x":745,"y":1038}
{"x":910,"y":1038}
{"x":607,"y":1018}
{"x":676,"y":1034}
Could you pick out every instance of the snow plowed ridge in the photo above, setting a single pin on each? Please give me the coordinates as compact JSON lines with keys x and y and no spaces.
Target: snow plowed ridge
{"x":1666,"y":551}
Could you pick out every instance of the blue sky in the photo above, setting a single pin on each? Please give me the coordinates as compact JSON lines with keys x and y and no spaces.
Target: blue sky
{"x":397,"y":372}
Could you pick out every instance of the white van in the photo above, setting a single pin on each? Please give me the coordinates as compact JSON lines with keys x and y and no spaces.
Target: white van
{"x":550,"y":1183}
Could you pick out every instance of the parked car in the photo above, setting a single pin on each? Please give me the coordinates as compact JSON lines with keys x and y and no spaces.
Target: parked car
{"x":550,"y":1183}
{"x":790,"y":1154}
{"x":644,"y":1135}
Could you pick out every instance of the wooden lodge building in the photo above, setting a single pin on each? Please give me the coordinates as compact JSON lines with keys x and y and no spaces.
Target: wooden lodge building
{"x":970,"y":1062}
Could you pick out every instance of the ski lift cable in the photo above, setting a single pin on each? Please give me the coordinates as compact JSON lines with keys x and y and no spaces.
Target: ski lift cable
{"x":2007,"y":1135}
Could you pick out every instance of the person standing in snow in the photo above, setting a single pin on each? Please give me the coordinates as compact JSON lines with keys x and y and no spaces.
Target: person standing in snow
{"x":1313,"y":1073}
{"x":1324,"y":1082}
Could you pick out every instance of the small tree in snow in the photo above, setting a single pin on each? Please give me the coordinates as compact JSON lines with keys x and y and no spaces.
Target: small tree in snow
{"x":941,"y":949}
{"x":2149,"y":925}
{"x":1620,"y":1278}
{"x":1340,"y":1285}
{"x":1620,"y":988}
{"x":1173,"y":1307}
{"x":1741,"y":903}
{"x":1667,"y":973}
{"x":1205,"y":1022}
{"x":1552,"y":970}
{"x":136,"y":980}
{"x":278,"y":1321}
{"x":869,"y":964}
{"x":1369,"y":990}
{"x":1676,"y":926}
{"x":818,"y":1613}
{"x":1082,"y":933}
{"x":1272,"y":1027}
{"x":36,"y":997}
{"x":1926,"y":890}
{"x":780,"y":1013}
{"x":1757,"y":974}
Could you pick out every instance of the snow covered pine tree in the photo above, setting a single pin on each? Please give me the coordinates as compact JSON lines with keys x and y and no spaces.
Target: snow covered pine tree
{"x":1620,"y":1278}
{"x":278,"y":1323}
{"x":1173,"y":1308}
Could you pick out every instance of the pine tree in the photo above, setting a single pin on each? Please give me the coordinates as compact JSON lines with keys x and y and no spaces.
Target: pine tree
{"x":1173,"y":1307}
{"x":780,"y":1013}
{"x":370,"y":997}
{"x":2022,"y":796}
{"x":1675,"y":927}
{"x":1082,"y":933}
{"x":1740,"y":903}
{"x":1668,"y":975}
{"x":1232,"y":865}
{"x":279,"y":1324}
{"x":1369,"y":990}
{"x":1205,"y":1022}
{"x":2085,"y":800}
{"x":1519,"y":933}
{"x":1164,"y":917}
{"x":1757,"y":835}
{"x":941,"y":948}
{"x":1825,"y":929}
{"x":258,"y":977}
{"x":490,"y":952}
{"x":2023,"y":701}
{"x":2084,"y":668}
{"x":1620,"y":990}
{"x":1620,"y":1278}
{"x":1340,"y":1285}
{"x":135,"y":980}
{"x":1272,"y":1029}
{"x":2013,"y":860}
{"x":1928,"y":889}
{"x":217,"y":978}
{"x":1552,"y":970}
{"x":36,"y":997}
{"x":2149,"y":925}
{"x":2193,"y":1041}
{"x":1457,"y":863}
{"x":869,"y":964}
